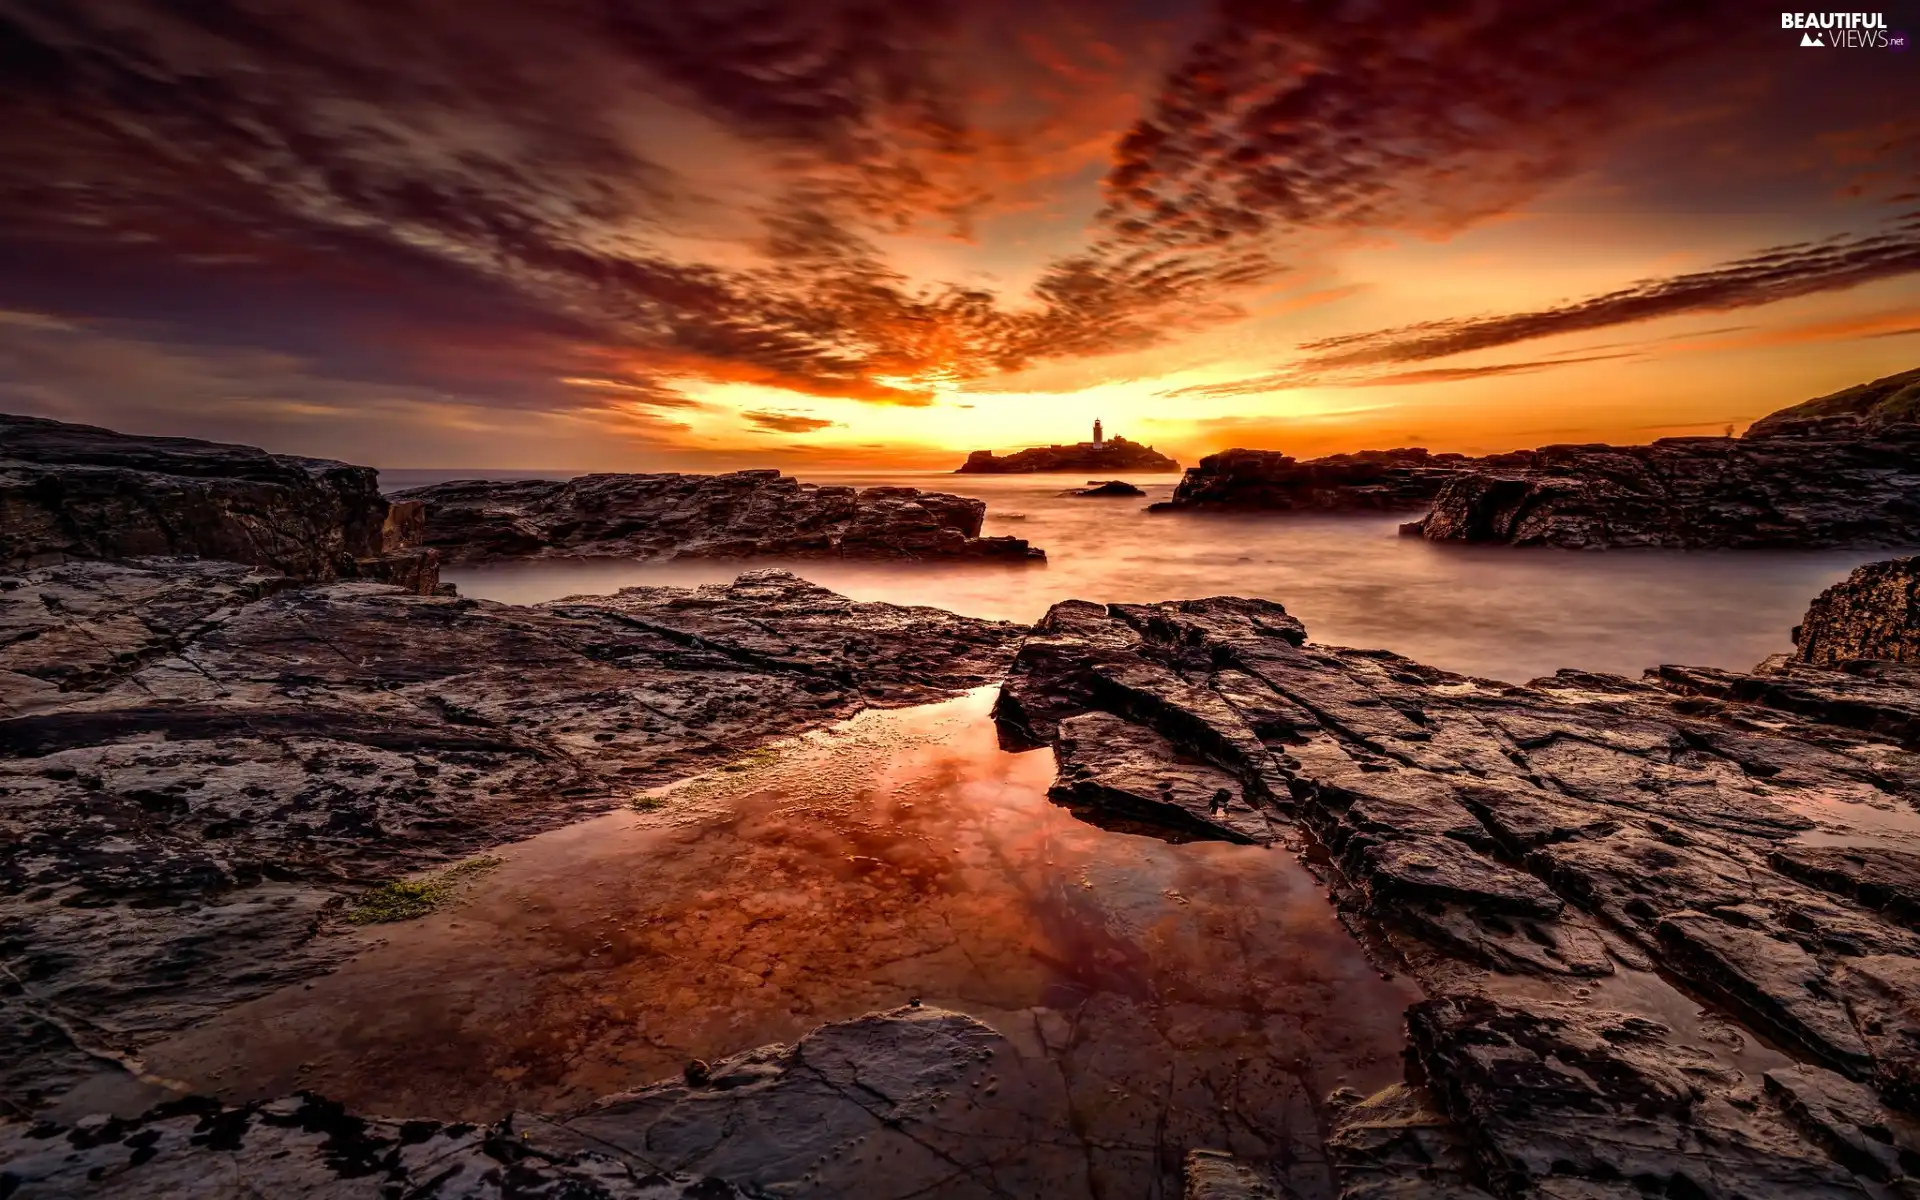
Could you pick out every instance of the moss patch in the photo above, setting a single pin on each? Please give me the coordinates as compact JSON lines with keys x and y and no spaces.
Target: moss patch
{"x":765,"y":756}
{"x":647,"y":803}
{"x":405,"y":899}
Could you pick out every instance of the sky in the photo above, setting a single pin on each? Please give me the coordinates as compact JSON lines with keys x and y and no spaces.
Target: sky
{"x":853,"y":234}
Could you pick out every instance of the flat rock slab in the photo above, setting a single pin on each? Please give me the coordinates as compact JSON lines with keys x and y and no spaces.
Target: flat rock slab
{"x":225,"y":756}
{"x":1110,"y":768}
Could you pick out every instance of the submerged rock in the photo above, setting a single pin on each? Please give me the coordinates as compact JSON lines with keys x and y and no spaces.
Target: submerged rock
{"x":1872,"y":614}
{"x":1843,"y":470}
{"x":743,"y":514}
{"x":1577,"y":829}
{"x":76,"y":492}
{"x":200,"y":760}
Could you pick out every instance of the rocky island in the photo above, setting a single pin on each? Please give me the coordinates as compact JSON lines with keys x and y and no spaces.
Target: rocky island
{"x":760,"y":513}
{"x":1100,"y":454}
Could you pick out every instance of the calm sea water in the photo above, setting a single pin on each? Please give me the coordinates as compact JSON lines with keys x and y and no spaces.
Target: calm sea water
{"x":1496,"y":612}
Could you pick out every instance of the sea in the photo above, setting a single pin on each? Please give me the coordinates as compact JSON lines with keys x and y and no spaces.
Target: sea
{"x":1496,"y":612}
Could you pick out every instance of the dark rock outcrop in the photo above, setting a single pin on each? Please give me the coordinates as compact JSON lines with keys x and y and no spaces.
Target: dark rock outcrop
{"x":1108,"y":487}
{"x":1270,"y":481}
{"x":200,"y":759}
{"x":1843,"y":470}
{"x":743,"y":514}
{"x":1115,"y":454}
{"x":887,"y":1105}
{"x":1525,"y":852}
{"x":1873,"y":614}
{"x":75,"y":492}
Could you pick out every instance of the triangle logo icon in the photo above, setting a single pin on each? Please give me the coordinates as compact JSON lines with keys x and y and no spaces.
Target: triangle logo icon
{"x":1811,"y":39}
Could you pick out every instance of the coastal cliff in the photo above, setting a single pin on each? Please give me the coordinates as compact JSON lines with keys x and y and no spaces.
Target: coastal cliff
{"x":1840,"y":470}
{"x":742,"y":514}
{"x":1115,"y":454}
{"x":78,"y":492}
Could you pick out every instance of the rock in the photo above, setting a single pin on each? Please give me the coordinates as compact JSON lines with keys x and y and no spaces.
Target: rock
{"x":1395,"y":1145}
{"x":1268,"y":480}
{"x":1216,"y":1175}
{"x":1110,"y":487}
{"x":1849,"y":1121}
{"x":201,"y":759}
{"x":742,"y":514}
{"x":74,"y":492}
{"x":1888,"y":880}
{"x":885,"y":1106}
{"x":1843,"y":470}
{"x":1873,"y":614}
{"x":1589,"y":1099}
{"x":1115,"y":454}
{"x":1110,"y":768}
{"x":1560,"y":833}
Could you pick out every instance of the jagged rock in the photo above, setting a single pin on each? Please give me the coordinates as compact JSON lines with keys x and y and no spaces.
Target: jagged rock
{"x":742,"y":514}
{"x":1843,"y":470}
{"x":1268,"y":480}
{"x":1110,"y":487}
{"x":72,"y":492}
{"x":884,"y":1106}
{"x":1110,"y":768}
{"x":1888,"y":880}
{"x":1873,"y":614}
{"x":1575,"y":828}
{"x":1115,"y":454}
{"x":1590,"y":1100}
{"x":199,"y":759}
{"x":1216,"y":1175}
{"x":1394,"y":1145}
{"x":1849,"y":1121}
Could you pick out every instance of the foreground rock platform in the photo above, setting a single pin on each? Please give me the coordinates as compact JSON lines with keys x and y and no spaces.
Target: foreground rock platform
{"x":77,"y":492}
{"x":739,"y":515}
{"x":912,"y":1102}
{"x":1541,"y":858}
{"x":199,"y":760}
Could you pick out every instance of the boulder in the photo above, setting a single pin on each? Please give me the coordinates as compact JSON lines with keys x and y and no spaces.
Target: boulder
{"x":1873,"y":614}
{"x":1110,"y":487}
{"x":758,"y":513}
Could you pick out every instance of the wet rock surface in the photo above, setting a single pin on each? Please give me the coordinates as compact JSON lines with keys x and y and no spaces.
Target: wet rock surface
{"x":1874,"y":613}
{"x":1109,"y":487}
{"x":198,"y":760}
{"x":1115,"y":454}
{"x":1268,"y":480}
{"x":743,"y":514}
{"x":1842,"y":470}
{"x":75,"y":492}
{"x":1531,"y":854}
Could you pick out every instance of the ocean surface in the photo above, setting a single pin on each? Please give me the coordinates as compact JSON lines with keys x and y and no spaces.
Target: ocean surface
{"x":1496,"y":612}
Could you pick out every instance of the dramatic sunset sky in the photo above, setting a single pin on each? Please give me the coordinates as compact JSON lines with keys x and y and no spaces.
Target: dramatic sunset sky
{"x":828,"y":234}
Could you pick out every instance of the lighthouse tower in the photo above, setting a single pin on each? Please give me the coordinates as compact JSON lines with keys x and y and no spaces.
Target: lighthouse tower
{"x":1098,"y":442}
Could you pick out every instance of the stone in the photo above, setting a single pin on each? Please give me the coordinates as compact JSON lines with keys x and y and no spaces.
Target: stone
{"x":1846,"y":1118}
{"x":1872,"y":614}
{"x":1109,"y":487}
{"x":1842,"y":470}
{"x":1268,"y":480}
{"x":886,"y":1106}
{"x":1115,"y":454}
{"x":1112,"y":769}
{"x":1888,"y":880}
{"x":201,"y":760}
{"x":1217,"y":1175}
{"x":1520,"y":850}
{"x":758,"y":513}
{"x":77,"y":492}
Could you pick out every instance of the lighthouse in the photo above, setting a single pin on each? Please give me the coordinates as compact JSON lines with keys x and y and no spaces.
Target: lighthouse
{"x":1097,"y":441}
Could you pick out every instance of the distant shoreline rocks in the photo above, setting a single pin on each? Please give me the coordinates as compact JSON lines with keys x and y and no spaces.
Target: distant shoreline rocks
{"x":1105,"y":487}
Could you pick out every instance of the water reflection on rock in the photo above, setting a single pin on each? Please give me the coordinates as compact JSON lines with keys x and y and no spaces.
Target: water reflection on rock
{"x":1190,"y":995}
